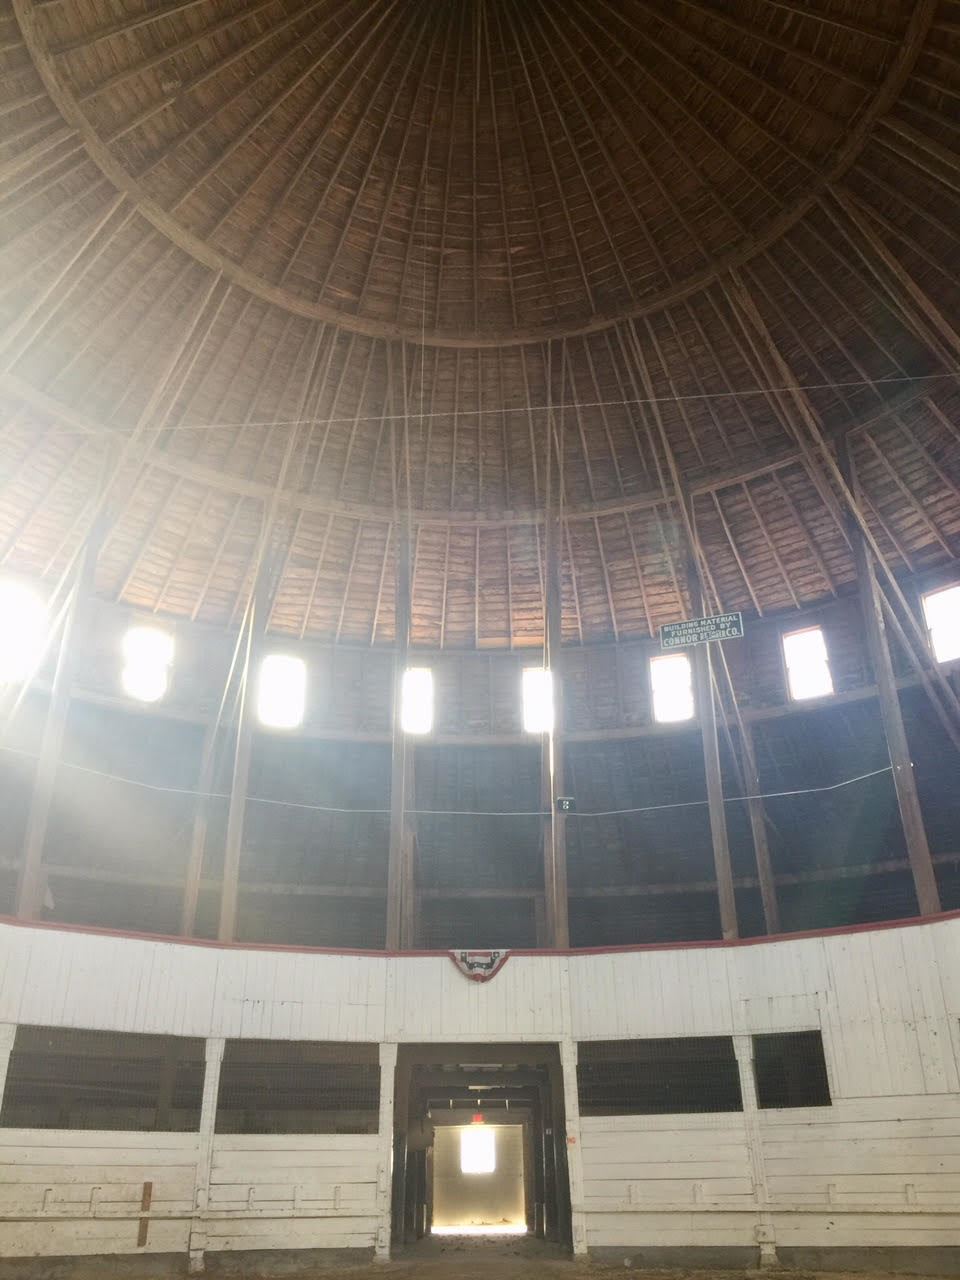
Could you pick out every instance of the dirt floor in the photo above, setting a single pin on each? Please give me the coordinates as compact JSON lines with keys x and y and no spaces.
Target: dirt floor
{"x":439,"y":1258}
{"x":453,"y":1258}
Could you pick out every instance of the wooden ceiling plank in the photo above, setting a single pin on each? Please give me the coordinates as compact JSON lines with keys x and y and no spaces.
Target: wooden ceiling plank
{"x":262,"y":224}
{"x":551,"y":160}
{"x":736,"y":555}
{"x":422,"y":184}
{"x":85,"y":249}
{"x":598,"y":141}
{"x":815,"y":553}
{"x":501,"y":182}
{"x":762,"y":36}
{"x":907,"y":494}
{"x":371,"y":165}
{"x":718,"y":54}
{"x":771,"y":545}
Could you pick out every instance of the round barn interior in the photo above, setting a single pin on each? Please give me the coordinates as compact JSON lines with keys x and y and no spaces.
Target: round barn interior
{"x":476,"y":337}
{"x":380,"y":381}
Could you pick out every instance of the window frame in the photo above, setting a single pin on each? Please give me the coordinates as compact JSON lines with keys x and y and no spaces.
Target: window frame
{"x":269,"y":726}
{"x":551,"y":681}
{"x":815,"y":698}
{"x":694,"y":713}
{"x":924,"y":596}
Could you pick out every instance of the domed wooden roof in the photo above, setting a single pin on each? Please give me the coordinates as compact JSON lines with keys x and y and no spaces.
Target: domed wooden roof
{"x":363,"y":252}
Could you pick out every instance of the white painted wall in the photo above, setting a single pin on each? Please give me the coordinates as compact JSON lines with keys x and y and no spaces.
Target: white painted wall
{"x":880,"y":1166}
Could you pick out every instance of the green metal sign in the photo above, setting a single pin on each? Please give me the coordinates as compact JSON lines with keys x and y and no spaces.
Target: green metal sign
{"x":680,"y":635}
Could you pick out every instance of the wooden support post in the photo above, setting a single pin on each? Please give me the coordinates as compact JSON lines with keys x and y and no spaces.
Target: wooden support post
{"x":707,"y":715}
{"x":399,"y":860}
{"x":764,"y":1227}
{"x":574,"y":1154}
{"x":758,"y":828}
{"x":198,"y":838}
{"x":388,"y":1073}
{"x":706,"y":703}
{"x":555,"y":830}
{"x":243,"y":750}
{"x":30,"y":887}
{"x":878,"y":650}
{"x":213,"y":1058}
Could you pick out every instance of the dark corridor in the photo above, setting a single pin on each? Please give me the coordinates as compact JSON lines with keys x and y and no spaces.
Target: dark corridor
{"x":441,"y":1086}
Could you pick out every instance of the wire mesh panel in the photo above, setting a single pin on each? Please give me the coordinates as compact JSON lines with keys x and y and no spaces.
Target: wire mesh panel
{"x":298,"y":1087}
{"x":68,"y":1079}
{"x":658,"y":1077}
{"x":790,"y":1070}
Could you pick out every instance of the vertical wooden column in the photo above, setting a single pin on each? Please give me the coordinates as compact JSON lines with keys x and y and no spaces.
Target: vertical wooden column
{"x":758,"y":829}
{"x":243,"y":750}
{"x":198,"y":835}
{"x":720,"y":840}
{"x":31,"y":882}
{"x":555,"y":829}
{"x":388,"y":1073}
{"x":878,"y":649}
{"x":400,"y":913}
{"x":571,"y":1106}
{"x":763,"y":1227}
{"x":707,"y":716}
{"x":208,"y":1117}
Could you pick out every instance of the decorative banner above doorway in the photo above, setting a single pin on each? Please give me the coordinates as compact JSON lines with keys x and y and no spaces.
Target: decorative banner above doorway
{"x":479,"y":966}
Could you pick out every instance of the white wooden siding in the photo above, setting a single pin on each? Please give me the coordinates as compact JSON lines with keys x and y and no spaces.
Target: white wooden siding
{"x":283,"y":1191}
{"x":881,"y":1165}
{"x":71,"y":1191}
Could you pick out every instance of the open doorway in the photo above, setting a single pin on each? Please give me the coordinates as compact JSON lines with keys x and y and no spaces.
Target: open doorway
{"x":480,"y":1143}
{"x":478,"y":1179}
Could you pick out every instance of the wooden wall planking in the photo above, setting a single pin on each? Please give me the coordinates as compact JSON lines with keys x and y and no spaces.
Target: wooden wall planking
{"x":882,"y":1164}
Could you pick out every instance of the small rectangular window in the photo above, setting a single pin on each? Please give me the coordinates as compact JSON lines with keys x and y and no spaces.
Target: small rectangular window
{"x":537,"y":700}
{"x":808,"y":667}
{"x":478,"y":1149}
{"x":658,"y":1077}
{"x":416,"y":700}
{"x":281,"y":1086}
{"x":790,"y":1070}
{"x":941,"y":609}
{"x":281,"y":691}
{"x":672,"y":680}
{"x":69,"y":1079}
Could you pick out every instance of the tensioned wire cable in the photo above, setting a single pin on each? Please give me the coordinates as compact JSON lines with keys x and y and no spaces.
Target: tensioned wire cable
{"x":626,"y":401}
{"x":456,"y":813}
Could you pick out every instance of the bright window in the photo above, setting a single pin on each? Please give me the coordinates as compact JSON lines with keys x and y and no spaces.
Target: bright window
{"x":537,"y":700}
{"x":147,"y":656}
{"x":282,"y":691}
{"x":808,"y":667}
{"x":942,"y":612}
{"x":23,"y":630}
{"x":478,"y":1149}
{"x":416,"y":700}
{"x":672,"y":680}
